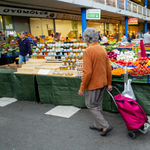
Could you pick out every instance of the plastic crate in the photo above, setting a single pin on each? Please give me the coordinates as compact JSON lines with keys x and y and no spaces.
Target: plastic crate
{"x":119,"y":49}
{"x":144,"y":80}
{"x":139,"y":79}
{"x":118,"y":79}
{"x":148,"y":80}
{"x":129,"y":49}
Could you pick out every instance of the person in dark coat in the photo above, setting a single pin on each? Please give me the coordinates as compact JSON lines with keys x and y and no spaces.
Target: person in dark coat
{"x":99,"y":36}
{"x":25,"y":48}
{"x":133,"y":36}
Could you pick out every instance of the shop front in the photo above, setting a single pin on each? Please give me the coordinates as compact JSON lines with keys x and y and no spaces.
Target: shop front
{"x":134,"y":27}
{"x":15,"y":20}
{"x":44,"y":24}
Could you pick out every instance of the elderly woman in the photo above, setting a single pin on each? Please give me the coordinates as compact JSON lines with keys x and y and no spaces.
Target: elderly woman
{"x":96,"y":76}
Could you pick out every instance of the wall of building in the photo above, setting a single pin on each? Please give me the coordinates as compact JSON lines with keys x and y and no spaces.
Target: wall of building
{"x":141,"y":27}
{"x":21,"y":24}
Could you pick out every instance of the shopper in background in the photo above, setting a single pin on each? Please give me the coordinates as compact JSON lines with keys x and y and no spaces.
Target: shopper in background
{"x":56,"y":37}
{"x":25,"y":48}
{"x":116,"y":36}
{"x":1,"y":37}
{"x":142,"y":35}
{"x":136,"y":35}
{"x":133,"y":36}
{"x":147,"y":37}
{"x":99,"y":36}
{"x":129,"y":39}
{"x":139,"y":36}
{"x":104,"y":38}
{"x":96,"y":75}
{"x":124,"y":39}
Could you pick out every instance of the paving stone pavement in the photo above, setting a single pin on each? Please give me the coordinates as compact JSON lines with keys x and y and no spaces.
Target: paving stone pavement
{"x":24,"y":126}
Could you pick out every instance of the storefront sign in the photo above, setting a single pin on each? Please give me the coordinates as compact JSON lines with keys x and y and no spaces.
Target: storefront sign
{"x":94,"y":14}
{"x":133,"y":21}
{"x":68,"y":17}
{"x":106,"y":21}
{"x":26,"y":12}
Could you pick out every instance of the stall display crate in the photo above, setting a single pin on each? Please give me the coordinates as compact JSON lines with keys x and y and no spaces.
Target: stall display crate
{"x":138,"y":79}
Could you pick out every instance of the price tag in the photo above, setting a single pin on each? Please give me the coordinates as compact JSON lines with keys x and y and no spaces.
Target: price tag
{"x":43,"y":71}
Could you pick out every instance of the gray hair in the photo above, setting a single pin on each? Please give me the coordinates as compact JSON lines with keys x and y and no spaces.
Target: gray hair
{"x":90,"y":35}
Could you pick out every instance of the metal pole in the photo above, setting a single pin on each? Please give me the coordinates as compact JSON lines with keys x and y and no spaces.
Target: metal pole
{"x":104,"y":28}
{"x":83,"y":20}
{"x":41,"y":26}
{"x":54,"y":26}
{"x":145,"y":3}
{"x":126,"y":27}
{"x":29,"y":25}
{"x":145,"y":23}
{"x":126,"y":4}
{"x":145,"y":27}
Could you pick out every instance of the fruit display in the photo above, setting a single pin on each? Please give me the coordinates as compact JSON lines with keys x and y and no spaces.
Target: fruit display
{"x":115,"y":65}
{"x":121,"y":46}
{"x":143,"y":61}
{"x":148,"y":64}
{"x":129,"y":45}
{"x":136,"y":63}
{"x":112,"y":54}
{"x":115,"y":46}
{"x":9,"y":49}
{"x":112,"y":43}
{"x":123,"y":63}
{"x":140,"y":71}
{"x":118,"y":71}
{"x":108,"y":48}
{"x":127,"y":56}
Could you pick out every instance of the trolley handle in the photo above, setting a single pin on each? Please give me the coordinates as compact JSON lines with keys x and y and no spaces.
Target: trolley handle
{"x":112,"y":95}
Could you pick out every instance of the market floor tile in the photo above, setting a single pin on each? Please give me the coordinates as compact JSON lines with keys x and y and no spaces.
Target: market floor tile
{"x":63,"y":111}
{"x":4,"y":101}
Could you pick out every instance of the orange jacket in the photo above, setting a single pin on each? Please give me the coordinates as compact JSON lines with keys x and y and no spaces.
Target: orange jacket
{"x":96,"y":68}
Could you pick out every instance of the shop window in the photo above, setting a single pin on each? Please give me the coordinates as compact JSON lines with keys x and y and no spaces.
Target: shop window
{"x":35,"y":25}
{"x":1,"y":23}
{"x":65,"y":28}
{"x":8,"y":22}
{"x":47,"y":26}
{"x":97,"y":26}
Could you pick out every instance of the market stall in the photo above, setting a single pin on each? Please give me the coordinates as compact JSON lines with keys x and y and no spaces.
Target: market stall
{"x":50,"y":79}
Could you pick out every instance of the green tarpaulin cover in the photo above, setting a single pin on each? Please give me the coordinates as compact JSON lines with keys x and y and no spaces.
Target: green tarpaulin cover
{"x":62,"y":90}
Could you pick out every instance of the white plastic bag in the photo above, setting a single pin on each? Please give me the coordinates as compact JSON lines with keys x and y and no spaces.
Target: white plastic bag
{"x":128,"y":91}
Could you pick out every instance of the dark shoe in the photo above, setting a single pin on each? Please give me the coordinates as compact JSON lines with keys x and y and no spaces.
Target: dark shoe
{"x":106,"y":131}
{"x":94,"y":128}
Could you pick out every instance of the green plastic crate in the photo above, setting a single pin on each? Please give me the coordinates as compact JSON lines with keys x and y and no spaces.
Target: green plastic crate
{"x":144,"y":80}
{"x":118,"y":79}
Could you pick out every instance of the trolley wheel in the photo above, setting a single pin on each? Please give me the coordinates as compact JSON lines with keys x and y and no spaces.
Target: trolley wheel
{"x":142,"y":127}
{"x":131,"y":135}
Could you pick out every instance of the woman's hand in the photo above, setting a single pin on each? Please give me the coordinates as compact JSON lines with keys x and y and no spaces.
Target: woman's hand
{"x":80,"y":93}
{"x":109,"y":88}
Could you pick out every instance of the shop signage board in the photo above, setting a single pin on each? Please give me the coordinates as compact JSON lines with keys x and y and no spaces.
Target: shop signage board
{"x":68,"y":17}
{"x":26,"y":12}
{"x":132,"y":21}
{"x":93,"y":14}
{"x":106,"y":21}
